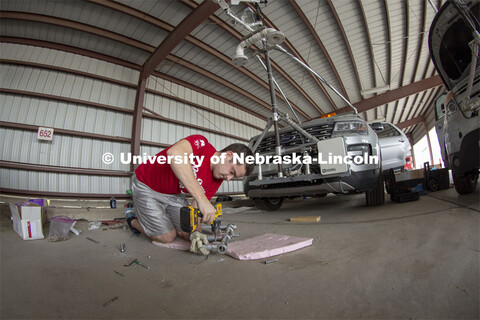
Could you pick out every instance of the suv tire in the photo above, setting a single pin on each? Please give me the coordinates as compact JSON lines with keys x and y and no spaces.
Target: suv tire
{"x":268,"y":204}
{"x":465,"y":184}
{"x":376,"y":196}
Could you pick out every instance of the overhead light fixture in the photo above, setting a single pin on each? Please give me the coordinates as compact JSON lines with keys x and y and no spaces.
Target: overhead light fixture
{"x":375,"y":90}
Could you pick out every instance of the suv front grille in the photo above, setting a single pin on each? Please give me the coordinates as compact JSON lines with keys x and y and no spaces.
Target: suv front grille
{"x":292,"y":138}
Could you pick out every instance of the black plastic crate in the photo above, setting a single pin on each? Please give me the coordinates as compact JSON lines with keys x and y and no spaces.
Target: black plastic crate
{"x":395,"y":187}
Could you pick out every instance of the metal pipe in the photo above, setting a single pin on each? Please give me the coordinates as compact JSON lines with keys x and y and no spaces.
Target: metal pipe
{"x":298,"y":128}
{"x":262,"y":135}
{"x":273,"y":98}
{"x":307,"y":165}
{"x":216,"y":248}
{"x":279,"y":90}
{"x":279,"y":48}
{"x":292,"y":149}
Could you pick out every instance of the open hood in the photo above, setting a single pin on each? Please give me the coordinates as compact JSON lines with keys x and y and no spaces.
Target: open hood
{"x":450,"y":34}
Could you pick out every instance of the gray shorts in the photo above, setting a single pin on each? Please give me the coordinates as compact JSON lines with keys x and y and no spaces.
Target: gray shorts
{"x":158,"y":213}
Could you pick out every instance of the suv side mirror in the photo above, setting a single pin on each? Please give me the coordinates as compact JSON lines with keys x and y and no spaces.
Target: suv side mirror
{"x":377,"y":126}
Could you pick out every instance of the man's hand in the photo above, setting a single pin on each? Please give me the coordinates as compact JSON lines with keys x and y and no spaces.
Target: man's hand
{"x":198,"y":242}
{"x":208,"y":211}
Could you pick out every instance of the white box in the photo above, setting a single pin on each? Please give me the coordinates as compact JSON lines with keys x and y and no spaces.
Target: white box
{"x":328,"y":150}
{"x":28,"y":220}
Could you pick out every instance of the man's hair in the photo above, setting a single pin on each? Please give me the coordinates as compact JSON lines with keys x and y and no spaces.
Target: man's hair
{"x":240,"y":149}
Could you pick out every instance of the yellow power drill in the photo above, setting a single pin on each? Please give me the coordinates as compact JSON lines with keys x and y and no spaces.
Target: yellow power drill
{"x":189,"y":218}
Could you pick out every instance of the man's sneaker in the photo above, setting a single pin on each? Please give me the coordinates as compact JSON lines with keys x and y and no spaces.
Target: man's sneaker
{"x":130,"y":215}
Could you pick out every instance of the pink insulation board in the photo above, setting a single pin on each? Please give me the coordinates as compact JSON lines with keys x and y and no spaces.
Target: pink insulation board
{"x":260,"y":247}
{"x":264,"y":246}
{"x":178,"y":244}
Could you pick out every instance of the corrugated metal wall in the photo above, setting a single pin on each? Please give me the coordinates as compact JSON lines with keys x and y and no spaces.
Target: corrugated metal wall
{"x":84,"y":116}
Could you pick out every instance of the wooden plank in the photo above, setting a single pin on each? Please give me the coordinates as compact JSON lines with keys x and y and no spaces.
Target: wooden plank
{"x":306,"y":219}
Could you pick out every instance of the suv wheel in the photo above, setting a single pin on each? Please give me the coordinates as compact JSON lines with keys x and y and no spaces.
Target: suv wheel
{"x":465,"y":184}
{"x":268,"y":204}
{"x":376,"y":196}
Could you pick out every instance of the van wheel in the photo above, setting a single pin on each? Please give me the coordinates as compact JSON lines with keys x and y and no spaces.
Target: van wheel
{"x":376,"y":196}
{"x":268,"y":204}
{"x":465,"y":184}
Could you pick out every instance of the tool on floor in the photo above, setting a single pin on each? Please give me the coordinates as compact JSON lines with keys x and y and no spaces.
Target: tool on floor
{"x":137,"y":262}
{"x":122,"y":247}
{"x":109,"y":301}
{"x":189,"y":218}
{"x":92,"y":240}
{"x":128,"y":265}
{"x":271,"y":261}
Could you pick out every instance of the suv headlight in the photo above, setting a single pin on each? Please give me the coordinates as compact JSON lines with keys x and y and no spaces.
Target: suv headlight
{"x":350,"y":128}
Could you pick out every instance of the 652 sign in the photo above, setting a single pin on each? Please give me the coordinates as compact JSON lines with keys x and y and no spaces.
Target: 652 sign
{"x":45,"y":133}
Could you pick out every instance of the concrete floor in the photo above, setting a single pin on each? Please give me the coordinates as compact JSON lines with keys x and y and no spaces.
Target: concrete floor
{"x":412,"y":260}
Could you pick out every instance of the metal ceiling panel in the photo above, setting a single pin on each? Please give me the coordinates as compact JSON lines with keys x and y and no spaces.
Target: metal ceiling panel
{"x":352,"y":21}
{"x":172,"y":12}
{"x":213,"y":86}
{"x":287,"y":21}
{"x":84,"y":40}
{"x":396,"y":12}
{"x":66,"y":85}
{"x":327,"y":30}
{"x":376,"y":19}
{"x":93,"y":15}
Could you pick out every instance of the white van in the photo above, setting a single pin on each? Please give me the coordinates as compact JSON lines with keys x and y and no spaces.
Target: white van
{"x":454,"y":43}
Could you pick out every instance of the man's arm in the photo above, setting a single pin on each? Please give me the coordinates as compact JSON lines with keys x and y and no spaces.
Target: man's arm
{"x":184,"y":173}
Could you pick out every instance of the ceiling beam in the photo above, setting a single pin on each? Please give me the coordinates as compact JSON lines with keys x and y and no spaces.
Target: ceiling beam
{"x":396,"y":94}
{"x":192,"y":21}
{"x":410,"y":122}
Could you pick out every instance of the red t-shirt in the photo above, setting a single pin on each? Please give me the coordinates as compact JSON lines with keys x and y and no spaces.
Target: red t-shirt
{"x":160,"y":176}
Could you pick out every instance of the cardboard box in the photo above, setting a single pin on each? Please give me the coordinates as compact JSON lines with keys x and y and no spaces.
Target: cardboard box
{"x":28,"y":220}
{"x":409,"y":175}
